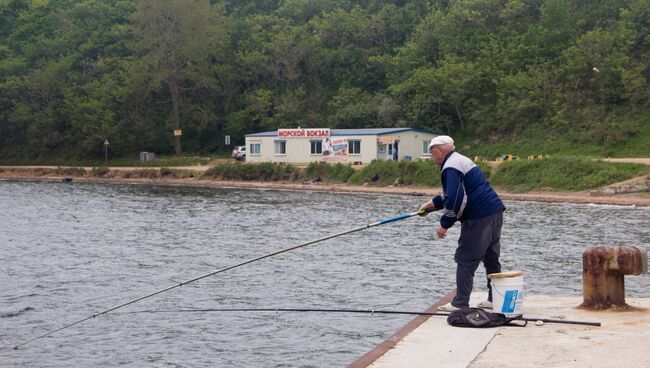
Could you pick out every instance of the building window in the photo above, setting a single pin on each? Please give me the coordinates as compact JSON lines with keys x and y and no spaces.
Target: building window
{"x":316,"y":147}
{"x":280,"y":147}
{"x":255,"y":148}
{"x":354,"y":147}
{"x":425,"y":148}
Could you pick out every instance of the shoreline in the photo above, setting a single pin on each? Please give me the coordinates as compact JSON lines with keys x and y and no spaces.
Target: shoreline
{"x":584,"y":197}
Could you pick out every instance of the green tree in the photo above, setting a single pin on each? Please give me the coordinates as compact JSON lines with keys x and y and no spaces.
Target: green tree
{"x":353,"y":108}
{"x":175,"y":40}
{"x":456,"y":81}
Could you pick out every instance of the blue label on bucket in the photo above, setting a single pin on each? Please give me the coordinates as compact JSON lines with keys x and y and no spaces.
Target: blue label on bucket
{"x":510,"y":301}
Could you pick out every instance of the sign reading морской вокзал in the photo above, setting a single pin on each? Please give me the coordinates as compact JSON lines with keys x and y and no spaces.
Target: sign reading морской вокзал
{"x":303,"y":133}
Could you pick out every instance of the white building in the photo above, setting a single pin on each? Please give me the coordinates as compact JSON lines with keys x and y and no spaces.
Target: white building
{"x":301,"y":146}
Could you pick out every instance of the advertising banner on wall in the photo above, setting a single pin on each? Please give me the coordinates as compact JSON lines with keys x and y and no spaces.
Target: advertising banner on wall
{"x":385,"y":140}
{"x":335,"y":150}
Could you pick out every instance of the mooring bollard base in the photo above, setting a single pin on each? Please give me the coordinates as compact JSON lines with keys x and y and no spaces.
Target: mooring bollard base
{"x":603,"y":270}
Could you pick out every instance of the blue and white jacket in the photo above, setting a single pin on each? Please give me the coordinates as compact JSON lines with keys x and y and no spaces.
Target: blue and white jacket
{"x":467,"y":193}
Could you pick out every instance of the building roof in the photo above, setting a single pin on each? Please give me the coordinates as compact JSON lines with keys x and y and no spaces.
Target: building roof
{"x":346,"y":132}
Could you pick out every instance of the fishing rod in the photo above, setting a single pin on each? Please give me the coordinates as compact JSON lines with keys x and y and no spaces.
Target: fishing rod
{"x":541,"y":321}
{"x":538,"y":321}
{"x":383,"y":222}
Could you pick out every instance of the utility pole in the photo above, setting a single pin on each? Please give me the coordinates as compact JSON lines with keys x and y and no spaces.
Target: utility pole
{"x":603,"y":111}
{"x":106,"y":152}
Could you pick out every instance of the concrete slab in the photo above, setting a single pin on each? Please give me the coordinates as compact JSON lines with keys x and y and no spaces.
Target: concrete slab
{"x":622,"y":340}
{"x":437,"y":344}
{"x":388,"y":344}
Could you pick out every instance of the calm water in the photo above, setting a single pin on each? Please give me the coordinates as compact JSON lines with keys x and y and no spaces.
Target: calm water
{"x":70,"y":250}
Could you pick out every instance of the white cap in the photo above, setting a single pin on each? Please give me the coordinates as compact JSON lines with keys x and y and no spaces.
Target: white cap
{"x":441,"y":140}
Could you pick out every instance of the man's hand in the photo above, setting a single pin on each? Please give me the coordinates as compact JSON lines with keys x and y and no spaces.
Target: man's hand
{"x":442,"y":232}
{"x":426,"y":207}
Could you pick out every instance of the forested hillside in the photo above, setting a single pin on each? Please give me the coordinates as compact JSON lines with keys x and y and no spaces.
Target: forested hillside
{"x":75,"y":72}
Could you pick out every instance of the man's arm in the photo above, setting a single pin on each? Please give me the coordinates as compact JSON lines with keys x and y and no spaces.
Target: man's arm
{"x":454,"y":196}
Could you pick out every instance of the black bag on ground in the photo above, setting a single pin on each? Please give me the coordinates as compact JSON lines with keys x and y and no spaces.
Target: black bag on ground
{"x":477,"y":317}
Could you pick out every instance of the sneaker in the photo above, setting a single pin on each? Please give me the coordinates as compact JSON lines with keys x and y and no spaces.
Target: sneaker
{"x":447,"y":308}
{"x":486,"y":304}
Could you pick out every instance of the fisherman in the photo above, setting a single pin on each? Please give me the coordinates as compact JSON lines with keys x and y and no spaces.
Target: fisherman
{"x":468,"y":198}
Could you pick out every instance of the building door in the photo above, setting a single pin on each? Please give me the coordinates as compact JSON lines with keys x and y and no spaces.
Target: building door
{"x":381,"y":151}
{"x":393,"y":151}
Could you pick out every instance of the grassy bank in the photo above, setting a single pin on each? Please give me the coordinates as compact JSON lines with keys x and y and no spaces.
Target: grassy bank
{"x":537,"y":141}
{"x":556,"y":173}
{"x":315,"y":171}
{"x":563,"y":173}
{"x":379,"y":173}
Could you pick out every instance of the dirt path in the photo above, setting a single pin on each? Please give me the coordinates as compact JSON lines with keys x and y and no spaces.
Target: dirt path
{"x":633,"y":160}
{"x":200,"y":168}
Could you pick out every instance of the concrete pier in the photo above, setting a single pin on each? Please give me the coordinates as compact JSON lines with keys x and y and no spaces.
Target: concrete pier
{"x":621,"y":341}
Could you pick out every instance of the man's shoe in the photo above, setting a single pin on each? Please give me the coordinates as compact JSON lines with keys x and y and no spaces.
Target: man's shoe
{"x":486,"y":304}
{"x":447,"y":308}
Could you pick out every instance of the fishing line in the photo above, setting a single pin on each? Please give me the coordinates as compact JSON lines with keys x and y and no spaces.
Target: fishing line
{"x":364,"y":311}
{"x":383,"y":222}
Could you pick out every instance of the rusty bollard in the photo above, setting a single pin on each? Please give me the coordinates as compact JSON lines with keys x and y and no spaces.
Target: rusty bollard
{"x":603,"y":269}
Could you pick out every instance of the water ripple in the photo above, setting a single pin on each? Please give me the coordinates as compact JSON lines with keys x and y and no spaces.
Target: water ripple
{"x":72,"y":250}
{"x":8,"y":314}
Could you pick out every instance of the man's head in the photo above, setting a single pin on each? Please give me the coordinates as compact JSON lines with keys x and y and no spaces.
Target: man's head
{"x":440,"y":146}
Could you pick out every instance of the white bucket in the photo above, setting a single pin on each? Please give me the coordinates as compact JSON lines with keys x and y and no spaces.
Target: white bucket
{"x":507,"y":293}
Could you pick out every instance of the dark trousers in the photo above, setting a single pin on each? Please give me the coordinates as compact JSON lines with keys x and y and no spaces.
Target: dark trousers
{"x":479,"y":242}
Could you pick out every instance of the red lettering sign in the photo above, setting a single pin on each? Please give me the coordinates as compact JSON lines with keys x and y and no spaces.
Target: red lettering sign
{"x":301,"y":133}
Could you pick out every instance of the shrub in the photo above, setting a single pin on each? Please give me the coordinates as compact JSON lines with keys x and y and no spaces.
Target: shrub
{"x":377,"y":172}
{"x":340,"y":173}
{"x":423,"y":173}
{"x":141,"y":173}
{"x":166,"y":172}
{"x":99,"y":171}
{"x":317,"y":170}
{"x":427,"y":173}
{"x":265,"y":171}
{"x":322,"y":170}
{"x":70,"y":171}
